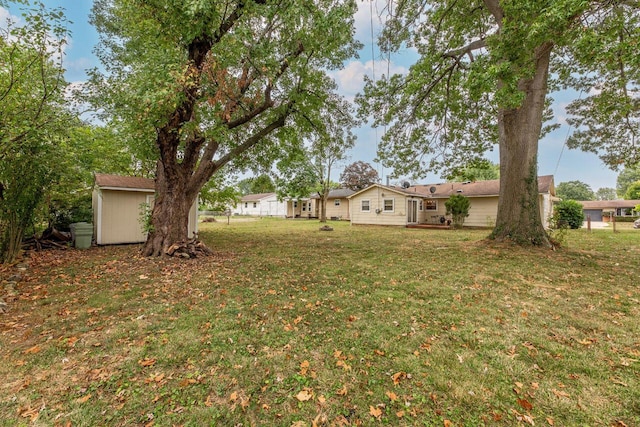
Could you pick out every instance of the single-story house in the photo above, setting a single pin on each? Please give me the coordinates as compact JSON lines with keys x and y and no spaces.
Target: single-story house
{"x":262,"y":204}
{"x":602,"y":210}
{"x":119,"y":204}
{"x":425,"y":204}
{"x":337,"y":203}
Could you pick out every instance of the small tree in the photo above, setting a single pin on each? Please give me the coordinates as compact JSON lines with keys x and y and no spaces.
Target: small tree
{"x":458,"y":207}
{"x":568,"y":213}
{"x":358,"y":176}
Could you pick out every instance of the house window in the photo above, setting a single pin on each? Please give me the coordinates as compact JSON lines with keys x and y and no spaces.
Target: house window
{"x":420,"y":206}
{"x":364,"y":206}
{"x":388,"y":205}
{"x":336,"y":202}
{"x":304,"y":206}
{"x":295,"y":204}
{"x":255,"y":204}
{"x":431,"y":205}
{"x":246,"y":205}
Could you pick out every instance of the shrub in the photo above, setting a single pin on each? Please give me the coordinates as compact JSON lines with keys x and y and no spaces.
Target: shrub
{"x":568,"y":213}
{"x":458,"y":207}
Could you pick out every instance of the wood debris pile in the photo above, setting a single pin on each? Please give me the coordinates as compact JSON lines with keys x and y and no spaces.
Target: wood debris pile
{"x":191,"y":248}
{"x":51,"y":238}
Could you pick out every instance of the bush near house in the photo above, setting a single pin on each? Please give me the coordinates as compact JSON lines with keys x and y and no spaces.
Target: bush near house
{"x":458,"y":207}
{"x":568,"y":213}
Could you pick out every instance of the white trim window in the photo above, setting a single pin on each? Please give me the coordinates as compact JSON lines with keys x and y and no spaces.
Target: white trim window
{"x":255,"y":204}
{"x":420,"y":205}
{"x":431,"y":205}
{"x":365,"y":205}
{"x":388,"y":205}
{"x":336,"y":202}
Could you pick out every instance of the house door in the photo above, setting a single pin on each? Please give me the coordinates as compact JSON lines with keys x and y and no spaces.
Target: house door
{"x":412,"y":211}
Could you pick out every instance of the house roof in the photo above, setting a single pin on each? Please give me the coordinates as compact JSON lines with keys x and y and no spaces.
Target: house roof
{"x":469,"y":189}
{"x":118,"y":182}
{"x":400,"y":190}
{"x":609,"y":204}
{"x":477,"y":188}
{"x":339,"y":193}
{"x":256,"y":197}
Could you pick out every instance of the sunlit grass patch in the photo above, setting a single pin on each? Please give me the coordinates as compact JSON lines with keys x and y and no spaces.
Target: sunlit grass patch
{"x":358,"y":326}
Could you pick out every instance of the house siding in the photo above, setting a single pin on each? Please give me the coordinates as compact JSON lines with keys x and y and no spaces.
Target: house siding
{"x":341,"y":211}
{"x":376,"y":201}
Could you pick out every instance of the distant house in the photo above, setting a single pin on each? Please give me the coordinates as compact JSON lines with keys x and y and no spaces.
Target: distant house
{"x":118,"y":207}
{"x":262,"y":204}
{"x":425,"y":204}
{"x":603,"y":210}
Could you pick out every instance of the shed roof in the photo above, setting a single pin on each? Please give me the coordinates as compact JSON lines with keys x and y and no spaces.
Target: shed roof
{"x":118,"y":182}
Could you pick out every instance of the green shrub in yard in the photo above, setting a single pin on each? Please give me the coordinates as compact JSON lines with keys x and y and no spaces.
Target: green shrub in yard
{"x":568,"y":213}
{"x":458,"y":207}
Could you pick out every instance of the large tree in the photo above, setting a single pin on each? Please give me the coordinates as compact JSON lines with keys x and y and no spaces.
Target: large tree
{"x":483,"y":77}
{"x":216,"y":83}
{"x":574,"y":190}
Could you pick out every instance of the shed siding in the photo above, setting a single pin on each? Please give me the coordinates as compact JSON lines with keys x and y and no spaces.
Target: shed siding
{"x":119,"y":217}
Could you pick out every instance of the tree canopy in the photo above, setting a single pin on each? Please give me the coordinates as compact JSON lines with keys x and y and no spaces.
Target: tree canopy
{"x":358,"y":176}
{"x":625,"y":178}
{"x":34,"y":120}
{"x":633,"y":191}
{"x":484,"y":75}
{"x":230,"y":83}
{"x":574,"y":190}
{"x":606,"y":193}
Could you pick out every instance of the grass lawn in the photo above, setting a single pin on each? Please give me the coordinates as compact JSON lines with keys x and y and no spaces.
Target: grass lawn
{"x":290,"y":326}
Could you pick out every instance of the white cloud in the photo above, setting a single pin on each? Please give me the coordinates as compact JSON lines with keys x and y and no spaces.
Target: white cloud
{"x":350,"y":79}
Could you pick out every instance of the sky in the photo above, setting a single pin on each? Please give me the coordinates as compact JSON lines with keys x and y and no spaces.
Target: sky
{"x":553,"y":157}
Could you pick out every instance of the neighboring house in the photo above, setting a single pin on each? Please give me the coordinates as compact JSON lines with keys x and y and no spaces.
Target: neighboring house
{"x":337,"y":203}
{"x":118,"y":208}
{"x":301,"y":208}
{"x":425,"y":204}
{"x":263,"y":204}
{"x":602,"y":210}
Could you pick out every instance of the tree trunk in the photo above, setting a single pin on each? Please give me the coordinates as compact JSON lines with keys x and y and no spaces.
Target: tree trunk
{"x":518,"y":218}
{"x":323,"y":205}
{"x":170,"y":215}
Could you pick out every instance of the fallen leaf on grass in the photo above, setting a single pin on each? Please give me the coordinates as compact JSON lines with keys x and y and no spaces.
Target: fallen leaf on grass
{"x":146,"y":362}
{"x":342,"y":391}
{"x":83,"y":399}
{"x":550,"y":421}
{"x":304,"y":395}
{"x":524,"y":403}
{"x":375,"y":412}
{"x":560,"y":393}
{"x":304,"y":367}
{"x":398,"y":376}
{"x":33,"y":350}
{"x":400,"y":414}
{"x":392,"y":396}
